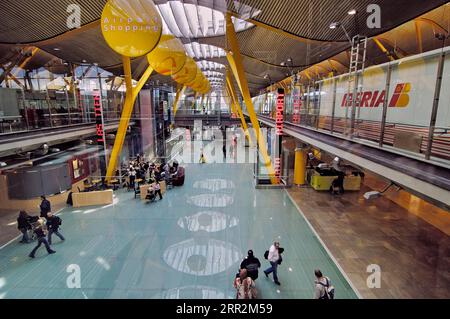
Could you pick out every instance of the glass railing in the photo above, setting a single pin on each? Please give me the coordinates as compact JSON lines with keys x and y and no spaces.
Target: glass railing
{"x":23,"y":113}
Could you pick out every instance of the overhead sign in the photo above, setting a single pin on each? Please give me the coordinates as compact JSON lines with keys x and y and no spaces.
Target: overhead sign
{"x":279,"y":109}
{"x":297,"y":101}
{"x":168,"y":58}
{"x":99,"y":118}
{"x":131,"y":27}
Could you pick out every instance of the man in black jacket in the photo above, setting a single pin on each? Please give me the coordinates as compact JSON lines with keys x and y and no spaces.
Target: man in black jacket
{"x":53,"y":223}
{"x":23,"y":224}
{"x":40,"y":233}
{"x":45,"y":207}
{"x":251,"y":263}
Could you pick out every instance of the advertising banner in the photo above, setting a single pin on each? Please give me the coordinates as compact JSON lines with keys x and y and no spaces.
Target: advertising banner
{"x":410,"y":97}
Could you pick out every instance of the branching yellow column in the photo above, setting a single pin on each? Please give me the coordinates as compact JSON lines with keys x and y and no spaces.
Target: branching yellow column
{"x":130,"y":98}
{"x":237,"y":107}
{"x":237,"y":67}
{"x":232,"y":107}
{"x":180,"y":93}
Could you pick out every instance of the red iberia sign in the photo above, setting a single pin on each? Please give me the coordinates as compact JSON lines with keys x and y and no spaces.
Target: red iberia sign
{"x":376,"y":98}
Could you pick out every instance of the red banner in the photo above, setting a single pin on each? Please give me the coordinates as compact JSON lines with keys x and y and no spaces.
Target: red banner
{"x":279,"y":115}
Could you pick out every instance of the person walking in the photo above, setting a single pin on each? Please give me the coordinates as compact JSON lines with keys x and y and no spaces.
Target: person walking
{"x":132,"y":176}
{"x":23,"y":224}
{"x":45,"y":206}
{"x":157,"y":189}
{"x":53,"y":223}
{"x":202,"y":159}
{"x":274,"y":258}
{"x":323,"y":288}
{"x":245,"y":286}
{"x":40,"y":233}
{"x":251,"y":264}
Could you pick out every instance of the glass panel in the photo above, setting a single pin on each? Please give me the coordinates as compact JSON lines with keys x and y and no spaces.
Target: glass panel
{"x":369,"y":115}
{"x":410,"y":104}
{"x":441,"y":138}
{"x":326,"y":104}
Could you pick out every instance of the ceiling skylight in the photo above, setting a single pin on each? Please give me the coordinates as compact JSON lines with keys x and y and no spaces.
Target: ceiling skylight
{"x":210,"y":65}
{"x":187,"y":20}
{"x":203,"y":51}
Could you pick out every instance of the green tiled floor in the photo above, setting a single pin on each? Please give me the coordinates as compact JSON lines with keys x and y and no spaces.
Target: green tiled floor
{"x":189,"y":245}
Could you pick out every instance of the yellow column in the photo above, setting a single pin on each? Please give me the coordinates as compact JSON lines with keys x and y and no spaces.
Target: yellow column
{"x":237,"y":67}
{"x":180,"y":92}
{"x":300,"y":167}
{"x":235,"y":102}
{"x":130,"y":98}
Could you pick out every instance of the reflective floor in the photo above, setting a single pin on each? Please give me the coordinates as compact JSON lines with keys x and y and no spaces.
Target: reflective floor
{"x":189,"y":245}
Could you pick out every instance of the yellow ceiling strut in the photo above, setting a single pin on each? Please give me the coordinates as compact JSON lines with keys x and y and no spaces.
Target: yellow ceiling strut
{"x":383,"y":49}
{"x":231,"y":104}
{"x":235,"y":61}
{"x":418,"y":35}
{"x":131,"y":95}
{"x":237,"y":106}
{"x":230,"y":101}
{"x":180,"y":92}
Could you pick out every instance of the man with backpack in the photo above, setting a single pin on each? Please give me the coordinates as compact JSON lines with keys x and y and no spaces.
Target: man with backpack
{"x":274,"y":257}
{"x":251,"y":264}
{"x":53,"y":223}
{"x":323,"y":288}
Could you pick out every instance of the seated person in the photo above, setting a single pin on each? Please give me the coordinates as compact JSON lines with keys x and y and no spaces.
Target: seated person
{"x":151,"y":194}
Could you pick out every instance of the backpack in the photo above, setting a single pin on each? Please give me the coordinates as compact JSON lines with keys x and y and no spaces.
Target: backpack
{"x":266,"y":254}
{"x":329,"y":290}
{"x":252,"y":267}
{"x":58,"y":220}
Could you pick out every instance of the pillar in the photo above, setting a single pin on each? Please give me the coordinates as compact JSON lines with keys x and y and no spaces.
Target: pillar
{"x":300,"y":167}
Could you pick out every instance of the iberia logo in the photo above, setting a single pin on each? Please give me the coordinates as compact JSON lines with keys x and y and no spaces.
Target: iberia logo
{"x":376,"y":98}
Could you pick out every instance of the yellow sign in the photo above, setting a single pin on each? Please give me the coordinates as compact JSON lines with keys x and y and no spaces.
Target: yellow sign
{"x":197,"y":80}
{"x":187,"y":73}
{"x":131,"y":27}
{"x":169,"y":57}
{"x":204,"y":88}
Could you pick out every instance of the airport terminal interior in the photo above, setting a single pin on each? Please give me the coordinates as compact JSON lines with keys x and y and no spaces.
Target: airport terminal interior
{"x":152,"y":149}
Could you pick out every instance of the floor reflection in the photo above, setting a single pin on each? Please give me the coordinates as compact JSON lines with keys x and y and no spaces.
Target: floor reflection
{"x":202,"y":257}
{"x":214,"y":184}
{"x":193,"y":292}
{"x":207,"y":221}
{"x":211,"y":200}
